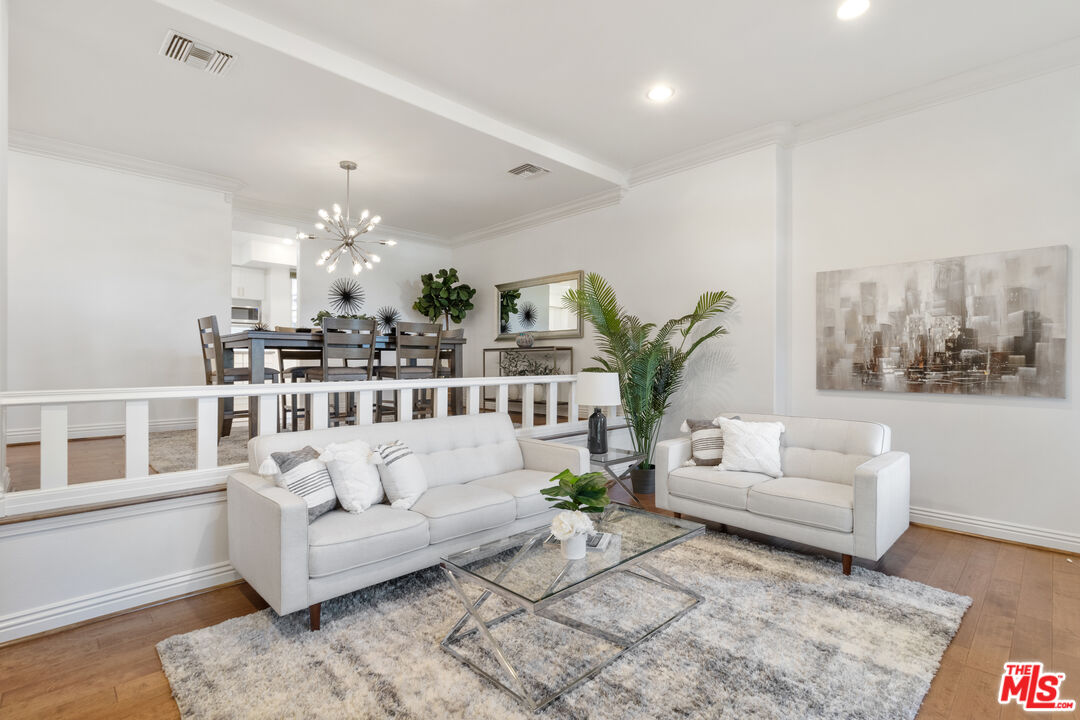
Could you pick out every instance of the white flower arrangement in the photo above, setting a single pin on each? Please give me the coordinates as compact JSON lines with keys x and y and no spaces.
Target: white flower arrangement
{"x":567,"y":524}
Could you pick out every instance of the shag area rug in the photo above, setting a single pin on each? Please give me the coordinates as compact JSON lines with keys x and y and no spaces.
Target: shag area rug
{"x":174,"y":450}
{"x":779,"y":635}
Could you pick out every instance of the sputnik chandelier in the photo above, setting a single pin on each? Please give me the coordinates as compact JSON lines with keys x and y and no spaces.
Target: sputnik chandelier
{"x":347,"y":233}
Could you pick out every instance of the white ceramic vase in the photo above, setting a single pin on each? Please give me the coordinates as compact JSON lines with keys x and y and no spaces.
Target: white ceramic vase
{"x":573,"y":547}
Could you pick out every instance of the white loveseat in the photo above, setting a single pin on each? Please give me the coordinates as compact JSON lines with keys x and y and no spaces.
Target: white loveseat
{"x":483,"y":484}
{"x":843,"y":488}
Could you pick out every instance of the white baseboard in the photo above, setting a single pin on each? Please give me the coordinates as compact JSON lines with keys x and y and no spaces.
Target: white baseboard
{"x":87,"y":607}
{"x":1070,"y":542}
{"x":89,"y":430}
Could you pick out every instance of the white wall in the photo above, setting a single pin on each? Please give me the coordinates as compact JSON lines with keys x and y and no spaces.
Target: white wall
{"x":4,"y":480}
{"x":711,"y":228}
{"x":995,"y":171}
{"x":63,"y":570}
{"x":395,"y":281}
{"x":107,"y":275}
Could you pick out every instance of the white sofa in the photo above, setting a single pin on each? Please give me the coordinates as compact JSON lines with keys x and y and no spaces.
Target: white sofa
{"x":483,"y":484}
{"x":843,"y":488}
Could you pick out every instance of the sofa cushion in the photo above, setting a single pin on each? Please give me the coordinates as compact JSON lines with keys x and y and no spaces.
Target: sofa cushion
{"x":341,"y":540}
{"x":827,"y":449}
{"x":452,"y":449}
{"x":453,"y":511}
{"x":802,"y":500}
{"x":716,"y":487}
{"x":525,"y":486}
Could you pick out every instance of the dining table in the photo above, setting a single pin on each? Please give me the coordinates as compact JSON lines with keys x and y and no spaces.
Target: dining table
{"x":257,"y":342}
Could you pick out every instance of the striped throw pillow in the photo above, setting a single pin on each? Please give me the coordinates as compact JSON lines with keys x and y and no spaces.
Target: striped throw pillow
{"x":402,"y":475}
{"x":706,"y":442}
{"x":302,"y":473}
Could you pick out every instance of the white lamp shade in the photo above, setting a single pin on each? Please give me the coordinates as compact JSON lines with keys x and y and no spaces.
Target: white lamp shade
{"x":596,"y":388}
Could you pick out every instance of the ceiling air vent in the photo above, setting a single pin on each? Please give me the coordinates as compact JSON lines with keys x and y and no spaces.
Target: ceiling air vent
{"x":528,"y":170}
{"x":195,"y":54}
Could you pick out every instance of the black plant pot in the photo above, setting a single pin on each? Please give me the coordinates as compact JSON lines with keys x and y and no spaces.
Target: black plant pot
{"x":643,"y":481}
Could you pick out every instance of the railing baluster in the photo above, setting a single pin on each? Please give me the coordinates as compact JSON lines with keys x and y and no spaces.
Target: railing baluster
{"x":528,"y":393}
{"x":268,"y":414}
{"x":364,"y":401}
{"x":474,"y":399}
{"x":552,"y":403}
{"x":54,"y":449}
{"x":206,"y":440}
{"x":571,"y":404}
{"x":136,"y":438}
{"x":404,"y":404}
{"x":320,"y":410}
{"x":502,"y":399}
{"x":442,"y":402}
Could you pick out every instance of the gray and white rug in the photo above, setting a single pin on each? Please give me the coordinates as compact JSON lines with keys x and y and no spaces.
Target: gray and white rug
{"x":174,"y":450}
{"x":779,"y":635}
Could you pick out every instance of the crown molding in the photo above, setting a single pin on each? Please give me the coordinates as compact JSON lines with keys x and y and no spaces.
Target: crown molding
{"x":542,"y":217}
{"x":972,"y":82}
{"x":776,"y":133}
{"x":47,"y":147}
{"x":306,"y":218}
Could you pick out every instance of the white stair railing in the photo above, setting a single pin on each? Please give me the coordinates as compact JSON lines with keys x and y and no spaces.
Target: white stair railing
{"x":54,"y":491}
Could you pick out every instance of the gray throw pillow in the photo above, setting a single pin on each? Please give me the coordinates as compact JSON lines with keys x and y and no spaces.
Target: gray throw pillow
{"x":302,"y":473}
{"x":706,"y":441}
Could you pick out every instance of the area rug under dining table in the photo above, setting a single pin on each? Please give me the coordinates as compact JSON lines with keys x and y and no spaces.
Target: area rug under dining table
{"x":779,"y":635}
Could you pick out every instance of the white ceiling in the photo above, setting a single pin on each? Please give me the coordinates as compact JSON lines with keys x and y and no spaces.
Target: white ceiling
{"x":437,"y":99}
{"x":577,"y":70}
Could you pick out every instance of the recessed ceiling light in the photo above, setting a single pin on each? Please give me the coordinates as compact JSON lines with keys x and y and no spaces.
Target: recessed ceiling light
{"x":660,"y":93}
{"x":851,"y":9}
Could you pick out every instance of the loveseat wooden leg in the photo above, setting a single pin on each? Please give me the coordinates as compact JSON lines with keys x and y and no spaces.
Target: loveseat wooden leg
{"x":846,"y":561}
{"x":315,"y":616}
{"x":678,"y":516}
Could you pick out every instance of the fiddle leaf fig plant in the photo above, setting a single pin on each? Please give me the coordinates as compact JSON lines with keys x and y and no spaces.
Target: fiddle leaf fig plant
{"x":508,"y":305}
{"x":442,"y":295}
{"x":586,"y":493}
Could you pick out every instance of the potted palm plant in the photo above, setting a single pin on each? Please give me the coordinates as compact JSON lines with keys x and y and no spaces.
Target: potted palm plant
{"x":650,"y":360}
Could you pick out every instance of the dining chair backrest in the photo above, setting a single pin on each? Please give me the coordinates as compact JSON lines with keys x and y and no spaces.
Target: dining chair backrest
{"x":212,"y":351}
{"x":418,"y":342}
{"x":348,"y":339}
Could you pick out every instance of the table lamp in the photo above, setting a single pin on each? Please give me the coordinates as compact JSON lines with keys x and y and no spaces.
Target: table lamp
{"x":599,"y":389}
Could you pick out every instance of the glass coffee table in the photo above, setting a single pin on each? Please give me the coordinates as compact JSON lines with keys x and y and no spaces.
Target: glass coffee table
{"x":528,"y":571}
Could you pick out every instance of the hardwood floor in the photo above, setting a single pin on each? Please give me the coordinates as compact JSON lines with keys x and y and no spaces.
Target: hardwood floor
{"x":89,"y":460}
{"x":1026,"y":607}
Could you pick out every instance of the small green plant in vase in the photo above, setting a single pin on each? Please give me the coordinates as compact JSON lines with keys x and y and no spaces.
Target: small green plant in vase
{"x":578,"y":496}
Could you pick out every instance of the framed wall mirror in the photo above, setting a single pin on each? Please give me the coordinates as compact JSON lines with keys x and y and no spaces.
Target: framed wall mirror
{"x":536,"y":306}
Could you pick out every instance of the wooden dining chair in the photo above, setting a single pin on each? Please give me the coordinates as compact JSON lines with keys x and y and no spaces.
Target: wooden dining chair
{"x":215,"y":372}
{"x":302,"y":360}
{"x":447,"y":368}
{"x":350,"y":341}
{"x":416,"y":357}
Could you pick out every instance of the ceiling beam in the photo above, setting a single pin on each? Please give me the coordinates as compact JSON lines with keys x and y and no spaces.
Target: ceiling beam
{"x":348,"y":67}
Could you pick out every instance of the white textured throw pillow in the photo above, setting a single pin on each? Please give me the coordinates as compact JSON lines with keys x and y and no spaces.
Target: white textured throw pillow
{"x":402,"y":474}
{"x":354,"y":473}
{"x":751,"y":446}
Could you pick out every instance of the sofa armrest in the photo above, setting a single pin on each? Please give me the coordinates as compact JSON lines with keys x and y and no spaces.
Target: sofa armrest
{"x":882,"y":498}
{"x":668,"y":455}
{"x":268,"y":540}
{"x":553,"y":457}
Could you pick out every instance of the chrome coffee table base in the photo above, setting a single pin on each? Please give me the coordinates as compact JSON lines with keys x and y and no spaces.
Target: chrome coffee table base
{"x":547,"y":610}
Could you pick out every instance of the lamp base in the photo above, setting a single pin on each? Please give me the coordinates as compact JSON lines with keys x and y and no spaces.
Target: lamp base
{"x":597,"y":433}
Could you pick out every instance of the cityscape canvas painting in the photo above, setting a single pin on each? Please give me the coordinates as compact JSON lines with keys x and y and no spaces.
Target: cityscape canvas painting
{"x":992,"y":324}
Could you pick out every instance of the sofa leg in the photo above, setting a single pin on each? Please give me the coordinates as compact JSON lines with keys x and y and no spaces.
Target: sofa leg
{"x":678,"y":516}
{"x":315,"y":616}
{"x":846,"y":561}
{"x":723,"y":528}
